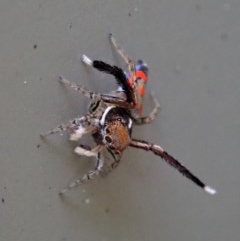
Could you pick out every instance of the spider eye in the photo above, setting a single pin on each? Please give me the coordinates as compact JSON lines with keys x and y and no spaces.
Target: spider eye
{"x":107,"y":130}
{"x":108,"y":139}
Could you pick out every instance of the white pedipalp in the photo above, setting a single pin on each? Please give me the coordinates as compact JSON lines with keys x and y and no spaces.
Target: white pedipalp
{"x":81,"y":151}
{"x":77,"y":134}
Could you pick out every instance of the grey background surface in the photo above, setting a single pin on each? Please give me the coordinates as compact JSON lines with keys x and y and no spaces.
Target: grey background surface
{"x":193,"y":50}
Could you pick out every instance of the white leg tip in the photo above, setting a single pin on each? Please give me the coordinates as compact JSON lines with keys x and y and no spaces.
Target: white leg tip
{"x":210,"y":190}
{"x":86,"y":60}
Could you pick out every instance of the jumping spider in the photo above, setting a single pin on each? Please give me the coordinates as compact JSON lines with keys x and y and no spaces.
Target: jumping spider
{"x":111,"y":117}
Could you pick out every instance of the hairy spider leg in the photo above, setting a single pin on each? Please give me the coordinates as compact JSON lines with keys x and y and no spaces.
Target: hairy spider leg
{"x":79,"y":88}
{"x":119,"y":76}
{"x":116,"y":72}
{"x":137,"y":77}
{"x":76,"y":126}
{"x":126,"y":58}
{"x":159,"y":151}
{"x":88,"y":176}
{"x":151,"y":117}
{"x":117,"y":159}
{"x":114,"y":100}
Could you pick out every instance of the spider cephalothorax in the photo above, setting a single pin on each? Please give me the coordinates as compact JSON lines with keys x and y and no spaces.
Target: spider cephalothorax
{"x":111,"y":116}
{"x":116,"y":128}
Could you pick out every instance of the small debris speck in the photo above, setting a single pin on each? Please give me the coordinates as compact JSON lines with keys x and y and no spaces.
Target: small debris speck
{"x":35,"y":46}
{"x":5,"y":188}
{"x":205,"y":67}
{"x":38,"y":145}
{"x":3,"y":200}
{"x":130,"y":13}
{"x":178,"y":69}
{"x":198,"y":7}
{"x":107,"y":210}
{"x":25,"y":82}
{"x":87,"y":201}
{"x":226,"y":6}
{"x":49,"y":188}
{"x":224,"y":36}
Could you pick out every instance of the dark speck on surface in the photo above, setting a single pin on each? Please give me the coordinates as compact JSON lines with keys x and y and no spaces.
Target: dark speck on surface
{"x":107,"y":210}
{"x":3,"y":200}
{"x":35,"y":46}
{"x":38,"y":145}
{"x":224,"y":36}
{"x":198,"y":7}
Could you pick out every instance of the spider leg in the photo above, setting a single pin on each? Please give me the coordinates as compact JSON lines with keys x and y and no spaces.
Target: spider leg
{"x":88,"y":176}
{"x":76,"y":126}
{"x":87,"y":150}
{"x":116,"y":158}
{"x":79,"y":88}
{"x":107,"y":68}
{"x":148,"y":119}
{"x":114,"y":100}
{"x":113,"y":70}
{"x":116,"y":72}
{"x":116,"y":162}
{"x":122,"y":53}
{"x":105,"y":97}
{"x":159,"y":151}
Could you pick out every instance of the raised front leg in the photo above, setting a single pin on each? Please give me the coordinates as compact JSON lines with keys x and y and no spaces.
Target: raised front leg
{"x":122,"y":53}
{"x":104,"y":97}
{"x":79,"y":88}
{"x":116,"y":72}
{"x":130,"y":65}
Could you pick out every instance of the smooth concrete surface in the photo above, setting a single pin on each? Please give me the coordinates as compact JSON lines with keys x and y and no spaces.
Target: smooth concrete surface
{"x":193,"y":50}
